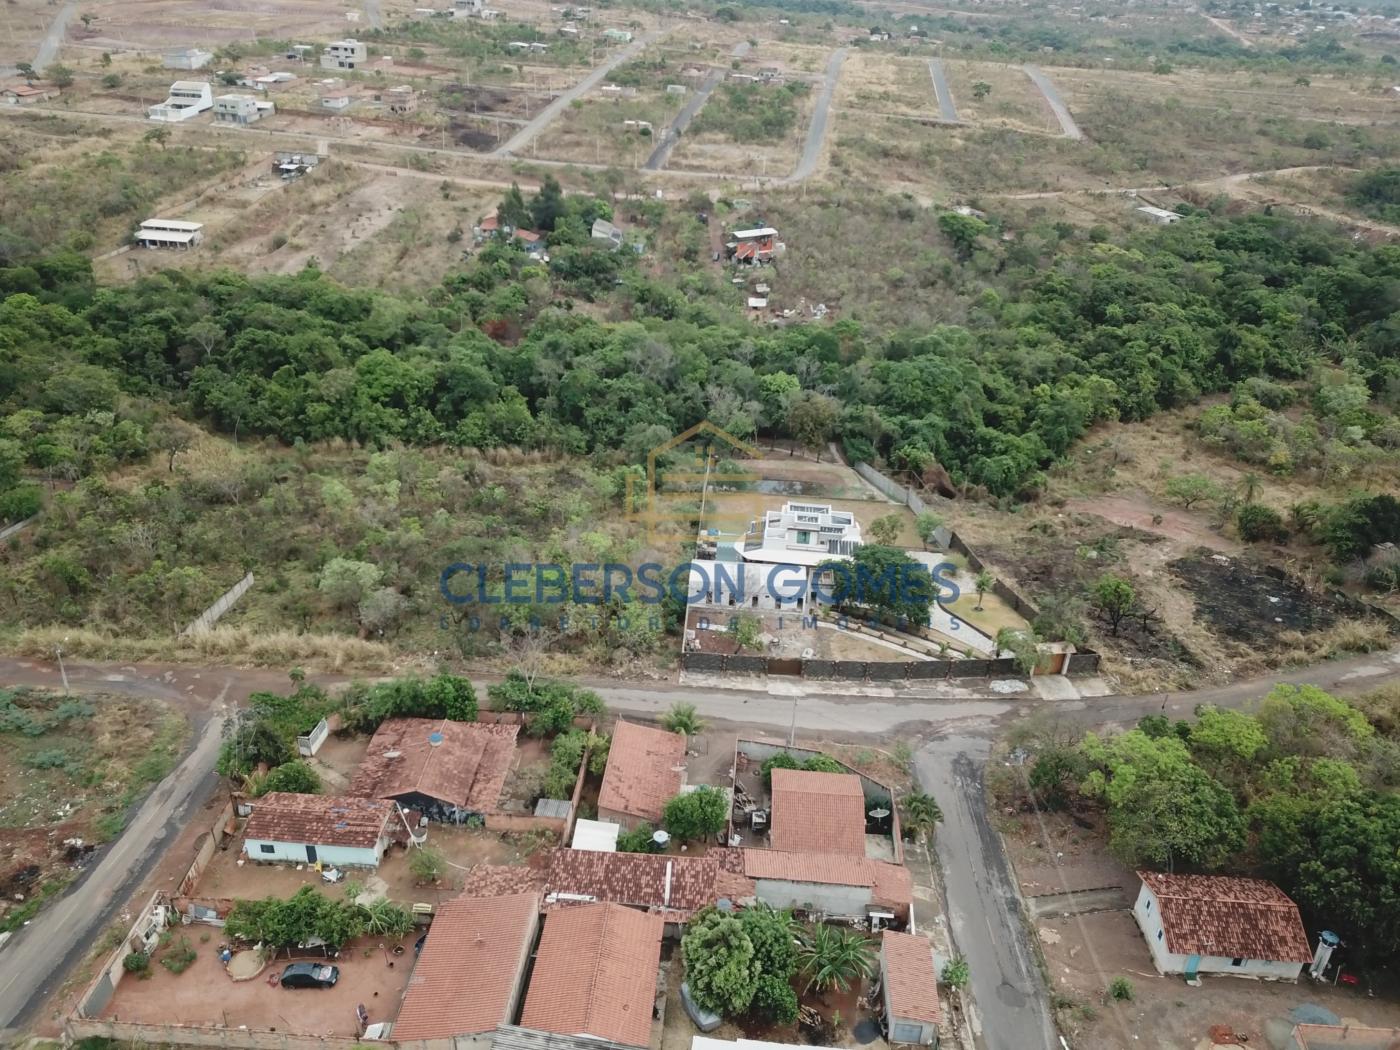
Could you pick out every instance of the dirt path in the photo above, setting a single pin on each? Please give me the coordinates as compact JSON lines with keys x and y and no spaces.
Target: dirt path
{"x":816,"y":131}
{"x":1137,"y":511}
{"x":550,"y":113}
{"x":1057,"y":104}
{"x":1228,"y":30}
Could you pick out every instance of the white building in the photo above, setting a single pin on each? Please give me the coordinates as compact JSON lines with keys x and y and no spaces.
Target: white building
{"x":344,"y":54}
{"x":335,"y":102}
{"x":801,"y":534}
{"x":617,"y":36}
{"x":1197,"y":924}
{"x":189,"y":58}
{"x":1160,"y":216}
{"x":606,"y":231}
{"x":188,"y":98}
{"x":240,"y":109}
{"x":337,"y":832}
{"x":169,"y":233}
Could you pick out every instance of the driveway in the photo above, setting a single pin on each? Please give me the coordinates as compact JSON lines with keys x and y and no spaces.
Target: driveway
{"x":816,"y":131}
{"x":1067,"y":124}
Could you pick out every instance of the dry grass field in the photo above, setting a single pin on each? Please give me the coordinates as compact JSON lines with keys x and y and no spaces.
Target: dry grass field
{"x":873,"y":83}
{"x":1012,"y":103}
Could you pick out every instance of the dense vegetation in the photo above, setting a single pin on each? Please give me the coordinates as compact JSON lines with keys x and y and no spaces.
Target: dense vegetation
{"x":1302,"y":790}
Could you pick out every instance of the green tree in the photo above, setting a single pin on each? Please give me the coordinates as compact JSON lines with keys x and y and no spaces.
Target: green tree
{"x":426,"y":864}
{"x":384,"y":918}
{"x":26,"y":70}
{"x":346,"y":582}
{"x":963,"y":231}
{"x":835,"y":957}
{"x":683,"y":718}
{"x":955,"y":972}
{"x":985,"y":582}
{"x":1260,"y":524}
{"x":919,"y":812}
{"x":720,"y":966}
{"x":1190,"y":489}
{"x":637,"y":840}
{"x":927,"y":525}
{"x":699,"y":814}
{"x":886,"y":529}
{"x":160,"y":136}
{"x":1114,"y":599}
{"x":547,"y":205}
{"x":1023,"y":645}
{"x":812,"y":419}
{"x":296,"y":777}
{"x":981,"y":89}
{"x":772,"y":934}
{"x":61,"y":75}
{"x":885,"y":580}
{"x":513,"y":211}
{"x":747,"y":631}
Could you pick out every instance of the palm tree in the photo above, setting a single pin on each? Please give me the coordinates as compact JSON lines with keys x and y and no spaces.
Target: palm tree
{"x":835,"y":957}
{"x":921,"y":812}
{"x":683,"y":718}
{"x":985,"y":582}
{"x":1250,"y":484}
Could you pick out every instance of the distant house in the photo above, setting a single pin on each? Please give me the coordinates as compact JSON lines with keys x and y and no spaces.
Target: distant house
{"x":595,"y":974}
{"x":646,"y":769}
{"x":237,"y":109}
{"x":676,"y":89}
{"x":757,"y":245}
{"x":672,"y":887}
{"x":336,"y":101}
{"x":606,"y":231}
{"x":1198,"y":924}
{"x":617,"y":36}
{"x":800,"y":533}
{"x":26,"y":94}
{"x":477,"y":943}
{"x":911,"y":988}
{"x":1160,"y":216}
{"x":307,"y":829}
{"x":447,"y":770}
{"x":401,"y":100}
{"x":188,"y":99}
{"x":344,"y":54}
{"x":170,"y":233}
{"x":189,"y":58}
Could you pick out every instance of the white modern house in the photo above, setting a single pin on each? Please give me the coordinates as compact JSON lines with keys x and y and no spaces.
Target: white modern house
{"x":337,"y":832}
{"x":170,"y":233}
{"x":801,"y":534}
{"x":189,"y":58}
{"x":188,"y":98}
{"x":344,"y":54}
{"x":1197,"y":924}
{"x":1160,"y":216}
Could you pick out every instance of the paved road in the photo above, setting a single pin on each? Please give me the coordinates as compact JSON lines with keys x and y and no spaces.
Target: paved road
{"x":672,"y":135}
{"x":1010,"y":1009}
{"x":1067,"y":124}
{"x":816,"y":131}
{"x":546,"y":116}
{"x":959,"y":731}
{"x":53,"y":39}
{"x":946,"y":107}
{"x":374,"y":13}
{"x":36,"y":961}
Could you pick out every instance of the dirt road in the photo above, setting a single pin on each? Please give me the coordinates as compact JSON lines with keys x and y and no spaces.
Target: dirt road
{"x":672,"y":134}
{"x":1228,"y":30}
{"x":547,"y":116}
{"x":946,"y":107}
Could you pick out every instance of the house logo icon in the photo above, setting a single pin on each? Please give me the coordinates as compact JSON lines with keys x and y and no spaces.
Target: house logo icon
{"x":682,"y":479}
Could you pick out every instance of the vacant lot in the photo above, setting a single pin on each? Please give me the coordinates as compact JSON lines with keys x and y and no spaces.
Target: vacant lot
{"x":612,"y":125}
{"x":1011,"y":100}
{"x":877,"y":83}
{"x":69,"y":769}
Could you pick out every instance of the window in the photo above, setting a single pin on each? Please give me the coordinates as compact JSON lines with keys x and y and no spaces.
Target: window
{"x":1159,"y":935}
{"x":267,"y":847}
{"x":907,"y":1033}
{"x":804,"y":537}
{"x":1236,"y":962}
{"x":1149,"y":905}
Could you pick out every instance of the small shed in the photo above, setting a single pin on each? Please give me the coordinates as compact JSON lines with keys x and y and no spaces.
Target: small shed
{"x":910,"y":988}
{"x":600,"y":836}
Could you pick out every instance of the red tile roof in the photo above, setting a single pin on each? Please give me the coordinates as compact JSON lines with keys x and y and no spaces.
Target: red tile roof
{"x":467,"y":768}
{"x":321,"y":820}
{"x":646,"y":768}
{"x":890,"y":884}
{"x":1228,"y":917}
{"x":502,"y":880}
{"x":674,"y":886}
{"x":489,"y":224}
{"x":595,"y":974}
{"x":910,"y":982}
{"x":818,"y":812}
{"x":474,"y":943}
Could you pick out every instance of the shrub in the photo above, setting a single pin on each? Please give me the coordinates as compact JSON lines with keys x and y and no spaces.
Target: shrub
{"x":180,"y":958}
{"x":1260,"y":524}
{"x":955,"y":972}
{"x":296,"y":777}
{"x":1120,"y":989}
{"x":638,"y":840}
{"x":137,"y":962}
{"x":426,"y":864}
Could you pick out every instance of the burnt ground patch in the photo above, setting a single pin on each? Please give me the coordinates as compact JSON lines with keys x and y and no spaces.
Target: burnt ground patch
{"x":1249,"y":602}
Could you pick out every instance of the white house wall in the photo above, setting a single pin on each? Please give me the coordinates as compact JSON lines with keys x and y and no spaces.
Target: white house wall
{"x":329,"y":856}
{"x":1147,"y":912}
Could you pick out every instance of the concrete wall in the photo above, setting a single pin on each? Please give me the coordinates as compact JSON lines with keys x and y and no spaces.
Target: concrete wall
{"x":210,"y":616}
{"x":330,"y":856}
{"x":99,"y":992}
{"x":1149,"y":919}
{"x":861,"y":670}
{"x":835,"y":901}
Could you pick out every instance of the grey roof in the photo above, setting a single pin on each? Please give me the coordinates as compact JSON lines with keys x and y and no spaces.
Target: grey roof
{"x":512,"y":1037}
{"x":553,"y":807}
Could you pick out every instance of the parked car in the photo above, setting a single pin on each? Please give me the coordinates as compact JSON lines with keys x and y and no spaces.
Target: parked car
{"x":310,"y":975}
